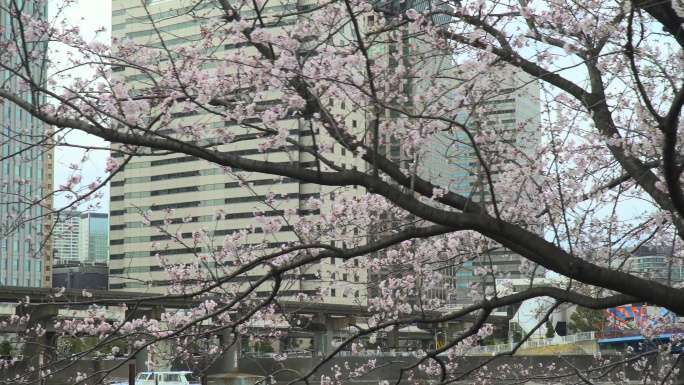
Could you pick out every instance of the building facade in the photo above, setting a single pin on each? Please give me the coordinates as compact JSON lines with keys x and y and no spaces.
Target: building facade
{"x":66,"y":235}
{"x":506,"y":110}
{"x":25,"y":168}
{"x":80,"y":275}
{"x":149,"y":187}
{"x":93,"y":237}
{"x":154,"y":197}
{"x":656,"y":264}
{"x":82,"y":237}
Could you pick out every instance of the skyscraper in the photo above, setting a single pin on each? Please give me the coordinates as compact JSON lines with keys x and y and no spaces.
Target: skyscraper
{"x":93,"y":237}
{"x":157,"y":197}
{"x":181,"y":194}
{"x":25,"y":163}
{"x":65,"y":236}
{"x":510,"y":121}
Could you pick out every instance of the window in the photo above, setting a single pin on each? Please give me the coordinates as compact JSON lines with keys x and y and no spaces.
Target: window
{"x":27,"y":265}
{"x":15,"y":281}
{"x":38,"y":282}
{"x":15,"y":246}
{"x":15,"y":264}
{"x":4,"y":263}
{"x":39,"y":266}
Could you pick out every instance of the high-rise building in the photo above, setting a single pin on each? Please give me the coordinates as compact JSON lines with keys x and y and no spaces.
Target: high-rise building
{"x":199,"y":192}
{"x":82,"y":237}
{"x":65,"y":236}
{"x":655,"y":263}
{"x":504,"y":108}
{"x":93,"y":237}
{"x":26,"y":165}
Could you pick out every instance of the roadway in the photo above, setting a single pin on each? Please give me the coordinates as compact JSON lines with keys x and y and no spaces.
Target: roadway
{"x":146,"y":300}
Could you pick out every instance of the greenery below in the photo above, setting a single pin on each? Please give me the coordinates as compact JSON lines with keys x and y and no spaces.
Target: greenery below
{"x":587,"y":320}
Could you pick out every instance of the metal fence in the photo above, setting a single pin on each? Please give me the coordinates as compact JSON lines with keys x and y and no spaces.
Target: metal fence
{"x":402,"y":352}
{"x":493,"y":349}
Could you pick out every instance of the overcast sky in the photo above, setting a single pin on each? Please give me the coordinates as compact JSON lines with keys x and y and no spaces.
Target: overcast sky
{"x":89,"y":15}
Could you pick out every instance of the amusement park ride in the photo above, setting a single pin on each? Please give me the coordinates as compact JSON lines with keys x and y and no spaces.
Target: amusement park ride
{"x":640,"y":327}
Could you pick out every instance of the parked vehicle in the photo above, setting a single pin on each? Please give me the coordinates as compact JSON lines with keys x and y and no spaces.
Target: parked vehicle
{"x":162,"y":378}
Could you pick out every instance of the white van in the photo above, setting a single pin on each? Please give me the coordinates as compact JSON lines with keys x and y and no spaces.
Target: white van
{"x":162,"y":378}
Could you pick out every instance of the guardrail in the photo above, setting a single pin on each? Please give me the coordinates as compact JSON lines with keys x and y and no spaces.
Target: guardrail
{"x":490,"y":349}
{"x":584,"y":336}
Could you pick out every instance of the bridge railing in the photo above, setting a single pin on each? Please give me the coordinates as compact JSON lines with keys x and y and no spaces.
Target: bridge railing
{"x":558,"y":340}
{"x":490,"y":349}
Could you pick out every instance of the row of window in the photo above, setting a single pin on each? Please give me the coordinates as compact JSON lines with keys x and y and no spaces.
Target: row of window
{"x":38,"y":265}
{"x":16,"y":244}
{"x":162,"y":15}
{"x":216,"y":233}
{"x":211,"y":202}
{"x":197,"y":250}
{"x":28,"y":170}
{"x":27,"y":282}
{"x":194,"y":173}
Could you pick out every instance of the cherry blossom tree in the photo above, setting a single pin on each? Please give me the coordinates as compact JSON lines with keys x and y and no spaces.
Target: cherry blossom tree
{"x":571,"y":192}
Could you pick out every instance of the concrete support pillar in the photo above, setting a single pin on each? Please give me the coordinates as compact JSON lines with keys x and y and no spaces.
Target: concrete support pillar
{"x":39,"y":345}
{"x":228,"y":362}
{"x":393,"y":340}
{"x":141,"y":360}
{"x":142,"y":357}
{"x":319,"y":342}
{"x":326,"y":327}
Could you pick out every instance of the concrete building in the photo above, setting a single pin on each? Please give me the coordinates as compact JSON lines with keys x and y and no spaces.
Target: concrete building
{"x":508,"y":112}
{"x":197,"y":189}
{"x":65,"y":236}
{"x":655,"y":264}
{"x":25,"y":253}
{"x":82,"y":237}
{"x":80,"y":275}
